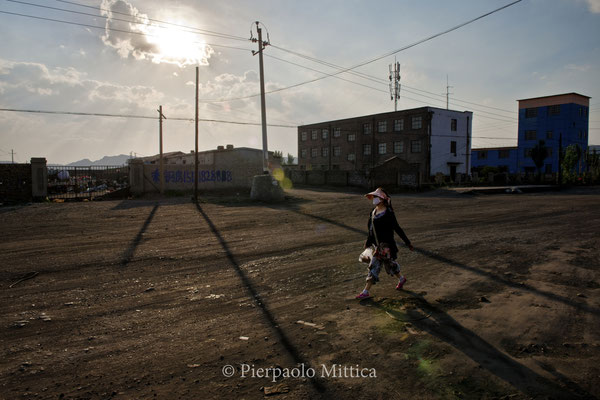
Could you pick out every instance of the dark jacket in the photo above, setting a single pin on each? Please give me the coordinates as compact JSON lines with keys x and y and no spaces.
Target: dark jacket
{"x":385,"y":226}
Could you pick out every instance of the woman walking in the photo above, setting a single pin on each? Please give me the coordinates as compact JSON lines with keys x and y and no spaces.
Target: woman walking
{"x":382,"y":225}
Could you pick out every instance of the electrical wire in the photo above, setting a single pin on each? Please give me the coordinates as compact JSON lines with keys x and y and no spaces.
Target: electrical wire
{"x":205,"y":31}
{"x":110,"y":29}
{"x":117,"y":19}
{"x":383,"y":81}
{"x":142,"y":117}
{"x":368,"y":61}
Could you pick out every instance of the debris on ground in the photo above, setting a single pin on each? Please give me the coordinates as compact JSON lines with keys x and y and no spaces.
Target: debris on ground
{"x":277,"y":389}
{"x":312,"y":325}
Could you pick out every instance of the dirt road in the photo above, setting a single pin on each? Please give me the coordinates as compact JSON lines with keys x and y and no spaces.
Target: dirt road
{"x":156,"y":298}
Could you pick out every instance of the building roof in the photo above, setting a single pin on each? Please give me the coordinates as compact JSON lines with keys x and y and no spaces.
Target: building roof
{"x":165,"y":155}
{"x":380,"y":115}
{"x":556,"y":99}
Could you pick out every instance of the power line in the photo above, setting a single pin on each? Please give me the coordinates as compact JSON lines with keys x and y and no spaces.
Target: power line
{"x":190,"y":30}
{"x":406,"y":97}
{"x":205,"y":31}
{"x":368,"y":61}
{"x":379,"y":80}
{"x":140,"y":117}
{"x":110,"y":29}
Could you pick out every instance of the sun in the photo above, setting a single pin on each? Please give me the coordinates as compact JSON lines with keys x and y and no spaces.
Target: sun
{"x":177,"y":46}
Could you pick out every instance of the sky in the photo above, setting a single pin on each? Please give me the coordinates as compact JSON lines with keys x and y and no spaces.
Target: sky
{"x":125,"y":58}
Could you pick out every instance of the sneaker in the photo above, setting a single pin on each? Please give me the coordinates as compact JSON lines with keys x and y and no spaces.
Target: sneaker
{"x":362,"y":295}
{"x":401,"y":283}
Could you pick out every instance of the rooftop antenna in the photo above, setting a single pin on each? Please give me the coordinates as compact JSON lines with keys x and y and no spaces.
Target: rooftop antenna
{"x":395,"y":83}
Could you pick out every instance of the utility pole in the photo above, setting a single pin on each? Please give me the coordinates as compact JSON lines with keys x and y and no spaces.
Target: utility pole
{"x":160,"y":135}
{"x":448,"y":93}
{"x":196,"y":148}
{"x":395,"y":83}
{"x":12,"y":156}
{"x":261,"y":47}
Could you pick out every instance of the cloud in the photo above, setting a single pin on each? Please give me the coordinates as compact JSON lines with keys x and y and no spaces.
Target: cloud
{"x":131,"y":33}
{"x":594,"y":6}
{"x":68,"y":86}
{"x":578,"y":68}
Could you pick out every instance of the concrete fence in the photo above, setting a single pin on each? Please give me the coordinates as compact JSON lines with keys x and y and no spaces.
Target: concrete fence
{"x":352,"y":178}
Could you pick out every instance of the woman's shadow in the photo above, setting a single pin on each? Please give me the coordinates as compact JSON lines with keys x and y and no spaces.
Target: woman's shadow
{"x":428,"y":318}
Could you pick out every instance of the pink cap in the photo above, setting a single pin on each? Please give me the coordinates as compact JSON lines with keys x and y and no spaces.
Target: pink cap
{"x":379,"y":193}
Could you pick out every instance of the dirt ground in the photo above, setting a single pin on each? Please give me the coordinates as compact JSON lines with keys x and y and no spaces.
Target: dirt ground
{"x":157,"y":298}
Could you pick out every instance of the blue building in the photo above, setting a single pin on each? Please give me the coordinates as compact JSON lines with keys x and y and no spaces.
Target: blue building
{"x":503,"y":158}
{"x":558,"y":121}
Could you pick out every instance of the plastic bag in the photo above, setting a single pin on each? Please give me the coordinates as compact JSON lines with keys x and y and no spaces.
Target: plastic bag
{"x":367,"y":255}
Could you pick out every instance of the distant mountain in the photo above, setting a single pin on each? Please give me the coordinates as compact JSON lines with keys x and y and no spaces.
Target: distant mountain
{"x":106,"y":160}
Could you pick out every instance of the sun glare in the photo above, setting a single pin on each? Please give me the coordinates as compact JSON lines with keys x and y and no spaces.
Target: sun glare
{"x":176,"y":46}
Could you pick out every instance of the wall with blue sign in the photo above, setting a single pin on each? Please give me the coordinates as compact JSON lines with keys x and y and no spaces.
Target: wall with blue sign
{"x":228,"y":169}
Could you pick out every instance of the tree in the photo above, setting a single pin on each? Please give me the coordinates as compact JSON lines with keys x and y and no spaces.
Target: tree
{"x":569,"y":162}
{"x":538,"y":155}
{"x":278,"y":155}
{"x":290,"y":159}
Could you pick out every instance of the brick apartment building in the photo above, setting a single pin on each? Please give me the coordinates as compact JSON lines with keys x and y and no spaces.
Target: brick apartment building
{"x":431,"y":140}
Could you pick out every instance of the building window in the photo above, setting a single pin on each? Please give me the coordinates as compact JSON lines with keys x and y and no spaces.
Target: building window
{"x":503,"y":154}
{"x":382,"y":148}
{"x":351,"y":137}
{"x":530,"y":135}
{"x":366,"y":149}
{"x":303,"y":136}
{"x":527,"y":153}
{"x":314,"y":152}
{"x":549,"y":134}
{"x":303,"y":153}
{"x":554,"y":110}
{"x":415,"y":146}
{"x":324,"y":133}
{"x":548,"y":169}
{"x":325,"y":151}
{"x":531,"y":112}
{"x":482,"y":155}
{"x":351,"y":157}
{"x":453,"y":146}
{"x":337,"y":132}
{"x":382,"y":126}
{"x":367,"y":129}
{"x":398,"y":147}
{"x":314,"y":134}
{"x":335,"y":166}
{"x":337,"y":151}
{"x":398,"y":125}
{"x":453,"y":124}
{"x":417,"y":123}
{"x":548,"y":152}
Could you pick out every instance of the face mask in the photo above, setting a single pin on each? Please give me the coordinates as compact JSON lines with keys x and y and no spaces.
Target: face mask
{"x":376,"y":200}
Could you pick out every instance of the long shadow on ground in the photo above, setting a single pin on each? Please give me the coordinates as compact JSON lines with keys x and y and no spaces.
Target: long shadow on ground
{"x":458,"y":264}
{"x":268,"y":315}
{"x":128,"y":255}
{"x":444,"y":327}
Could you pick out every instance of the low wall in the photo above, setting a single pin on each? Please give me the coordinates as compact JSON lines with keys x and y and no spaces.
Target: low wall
{"x":227,"y":171}
{"x":21,"y":183}
{"x":15,"y":183}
